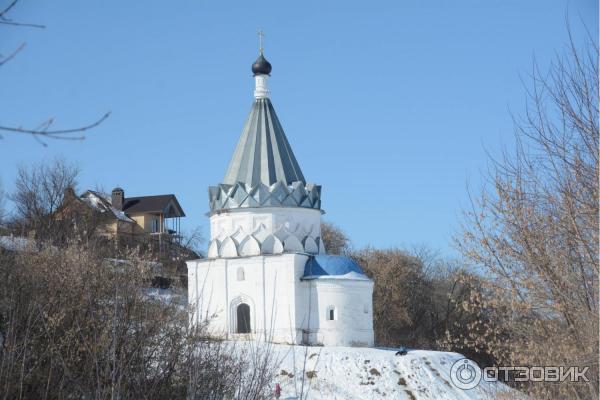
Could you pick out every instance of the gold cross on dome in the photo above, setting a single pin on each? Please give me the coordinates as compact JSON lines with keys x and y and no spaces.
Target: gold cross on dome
{"x":261,"y":35}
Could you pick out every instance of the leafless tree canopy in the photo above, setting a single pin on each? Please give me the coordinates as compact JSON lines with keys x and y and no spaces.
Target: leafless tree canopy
{"x":535,"y":231}
{"x":193,"y":241}
{"x":335,"y":240}
{"x":418,"y":297}
{"x":39,"y":191}
{"x":399,"y":296}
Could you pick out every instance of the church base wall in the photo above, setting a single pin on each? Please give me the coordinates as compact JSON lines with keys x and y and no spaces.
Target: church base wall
{"x":264,"y":298}
{"x":256,"y":293}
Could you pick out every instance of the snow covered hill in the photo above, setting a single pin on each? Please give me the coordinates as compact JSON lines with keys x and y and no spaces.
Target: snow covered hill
{"x":354,"y":373}
{"x":368,"y":373}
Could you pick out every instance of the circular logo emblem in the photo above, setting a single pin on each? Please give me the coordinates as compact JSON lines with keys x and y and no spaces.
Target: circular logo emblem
{"x":465,"y":374}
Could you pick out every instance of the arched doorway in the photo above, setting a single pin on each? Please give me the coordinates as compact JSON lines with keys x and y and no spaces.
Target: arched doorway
{"x":243,"y":318}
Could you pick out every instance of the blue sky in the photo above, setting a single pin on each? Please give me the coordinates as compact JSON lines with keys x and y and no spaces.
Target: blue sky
{"x":391,"y":106}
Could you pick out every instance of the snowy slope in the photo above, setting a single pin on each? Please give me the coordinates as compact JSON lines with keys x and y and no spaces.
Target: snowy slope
{"x":367,"y":373}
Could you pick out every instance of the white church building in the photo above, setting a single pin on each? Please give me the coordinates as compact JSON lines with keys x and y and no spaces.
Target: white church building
{"x":267,"y":274}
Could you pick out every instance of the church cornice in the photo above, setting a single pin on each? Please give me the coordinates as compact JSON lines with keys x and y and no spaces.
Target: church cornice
{"x":240,"y":195}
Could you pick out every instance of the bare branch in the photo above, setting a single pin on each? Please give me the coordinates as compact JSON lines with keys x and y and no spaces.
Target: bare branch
{"x":6,"y":21}
{"x":44,"y":130}
{"x":61,"y":134}
{"x":12,"y":55}
{"x":13,"y":23}
{"x":7,"y":9}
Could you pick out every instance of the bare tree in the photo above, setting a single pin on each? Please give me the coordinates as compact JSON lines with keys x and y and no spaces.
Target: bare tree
{"x":39,"y":192}
{"x":535,"y":231}
{"x":335,"y":239}
{"x":193,"y":241}
{"x":44,"y":130}
{"x":401,"y":295}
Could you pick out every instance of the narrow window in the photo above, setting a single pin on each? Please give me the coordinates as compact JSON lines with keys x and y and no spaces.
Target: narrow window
{"x":243,"y":318}
{"x":331,"y":313}
{"x":240,"y":274}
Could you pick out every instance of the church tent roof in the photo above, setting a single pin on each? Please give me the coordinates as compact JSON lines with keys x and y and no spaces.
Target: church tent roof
{"x":263,"y":153}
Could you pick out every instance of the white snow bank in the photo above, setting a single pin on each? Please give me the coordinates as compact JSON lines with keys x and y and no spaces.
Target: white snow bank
{"x":368,"y":373}
{"x":16,"y":243}
{"x":168,"y":296}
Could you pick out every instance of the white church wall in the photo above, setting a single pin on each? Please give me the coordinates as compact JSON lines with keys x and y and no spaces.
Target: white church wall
{"x":268,"y":287}
{"x":206,"y":293}
{"x":275,"y":230}
{"x":351,"y":301}
{"x":280,"y":290}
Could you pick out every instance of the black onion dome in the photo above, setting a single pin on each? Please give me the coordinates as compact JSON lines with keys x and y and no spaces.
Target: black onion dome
{"x":261,"y":66}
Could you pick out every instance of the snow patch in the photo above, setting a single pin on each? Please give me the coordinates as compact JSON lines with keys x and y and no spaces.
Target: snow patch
{"x":16,"y":243}
{"x":374,"y":373}
{"x":102,"y":204}
{"x":349,"y":276}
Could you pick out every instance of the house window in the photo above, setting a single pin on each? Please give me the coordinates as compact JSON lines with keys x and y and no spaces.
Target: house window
{"x":366,"y":308}
{"x":154,"y":225}
{"x":331,"y":313}
{"x":240,"y":274}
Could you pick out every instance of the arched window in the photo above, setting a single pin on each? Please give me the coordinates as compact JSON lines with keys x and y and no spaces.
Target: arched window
{"x":240,"y":274}
{"x":243,"y":318}
{"x":331,"y":314}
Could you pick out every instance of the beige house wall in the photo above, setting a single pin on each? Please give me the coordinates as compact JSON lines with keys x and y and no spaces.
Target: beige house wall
{"x":144,"y":221}
{"x":122,"y":228}
{"x":140,"y":220}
